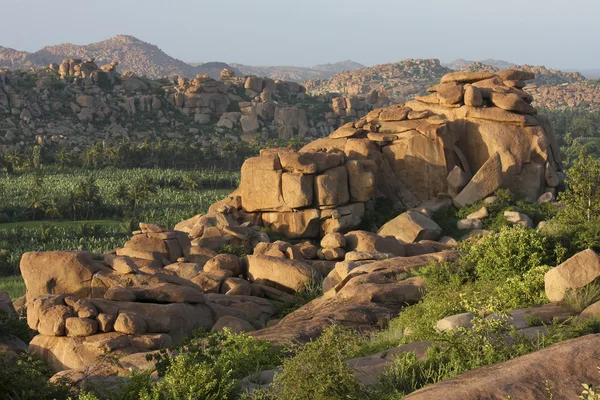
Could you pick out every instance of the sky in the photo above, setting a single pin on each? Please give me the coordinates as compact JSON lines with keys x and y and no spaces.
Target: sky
{"x":554,"y":33}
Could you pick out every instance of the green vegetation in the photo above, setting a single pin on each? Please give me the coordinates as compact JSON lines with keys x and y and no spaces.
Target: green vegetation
{"x":13,"y":285}
{"x":95,"y":238}
{"x":25,"y":378}
{"x":577,"y":129}
{"x":160,"y":196}
{"x":209,"y":368}
{"x":579,"y":299}
{"x":318,"y":369}
{"x":221,"y":154}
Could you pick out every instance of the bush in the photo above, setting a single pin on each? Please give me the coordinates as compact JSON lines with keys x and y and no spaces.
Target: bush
{"x":209,"y":366}
{"x":456,"y":352}
{"x":511,"y":252}
{"x":318,"y":371}
{"x":579,"y":299}
{"x":25,"y":378}
{"x":10,"y":326}
{"x":240,"y":251}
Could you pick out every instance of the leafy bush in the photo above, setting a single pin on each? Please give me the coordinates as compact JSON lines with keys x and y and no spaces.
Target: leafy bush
{"x":513,"y":251}
{"x":208,"y":366}
{"x":318,"y":370}
{"x":579,"y":299}
{"x":25,"y":378}
{"x":10,"y":326}
{"x":456,"y":352}
{"x":240,"y":251}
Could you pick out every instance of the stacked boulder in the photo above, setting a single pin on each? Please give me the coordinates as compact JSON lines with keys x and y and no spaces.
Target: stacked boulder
{"x":475,"y":133}
{"x":138,"y":298}
{"x":307,"y":193}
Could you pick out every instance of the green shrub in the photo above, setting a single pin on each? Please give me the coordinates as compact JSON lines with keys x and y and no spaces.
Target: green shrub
{"x":456,"y":352}
{"x":240,"y":251}
{"x":208,"y":366}
{"x":311,"y":291}
{"x":579,"y":299}
{"x":374,"y":219}
{"x":318,"y":370}
{"x":511,"y":252}
{"x":25,"y":378}
{"x":454,"y":289}
{"x":10,"y":326}
{"x":486,"y":297}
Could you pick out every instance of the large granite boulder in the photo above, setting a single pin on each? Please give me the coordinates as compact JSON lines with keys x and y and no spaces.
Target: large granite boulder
{"x":578,"y":271}
{"x":474,"y":133}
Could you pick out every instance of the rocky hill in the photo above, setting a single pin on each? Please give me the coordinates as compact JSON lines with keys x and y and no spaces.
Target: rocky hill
{"x":77,"y":103}
{"x":132,"y":54}
{"x":400,"y":81}
{"x":299,"y":74}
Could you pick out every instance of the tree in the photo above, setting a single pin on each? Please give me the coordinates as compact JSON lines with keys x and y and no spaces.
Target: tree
{"x":36,"y":156}
{"x":189,"y":182}
{"x":52,"y":210}
{"x":89,"y":193}
{"x":582,"y":198}
{"x":35,"y":203}
{"x":74,"y":202}
{"x":63,"y":158}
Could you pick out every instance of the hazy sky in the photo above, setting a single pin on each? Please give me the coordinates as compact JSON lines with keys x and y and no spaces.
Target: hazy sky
{"x":555,"y":33}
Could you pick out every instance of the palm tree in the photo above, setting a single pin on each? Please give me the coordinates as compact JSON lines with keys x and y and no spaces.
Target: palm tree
{"x":35,"y":203}
{"x":63,"y":158}
{"x":137,"y":195}
{"x":189,"y":182}
{"x":111,"y":153}
{"x":38,"y":180}
{"x":89,"y":193}
{"x":13,"y":158}
{"x":74,"y":202}
{"x":52,"y":210}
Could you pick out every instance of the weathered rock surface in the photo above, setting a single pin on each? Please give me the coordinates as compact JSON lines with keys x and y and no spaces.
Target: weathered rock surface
{"x":411,"y":227}
{"x":560,"y":368}
{"x":473,"y":135}
{"x":575,"y":273}
{"x":364,"y":301}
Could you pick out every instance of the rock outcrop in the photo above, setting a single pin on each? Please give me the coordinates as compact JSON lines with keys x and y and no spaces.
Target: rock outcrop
{"x":472,"y":135}
{"x":559,"y":369}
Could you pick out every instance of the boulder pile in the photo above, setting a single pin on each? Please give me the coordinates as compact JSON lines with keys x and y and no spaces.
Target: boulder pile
{"x":475,"y":133}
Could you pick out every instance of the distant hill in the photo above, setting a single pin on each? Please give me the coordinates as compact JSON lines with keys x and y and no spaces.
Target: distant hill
{"x":461,"y":63}
{"x":299,"y":74}
{"x":401,"y":80}
{"x":341,"y":66}
{"x":132,"y":54}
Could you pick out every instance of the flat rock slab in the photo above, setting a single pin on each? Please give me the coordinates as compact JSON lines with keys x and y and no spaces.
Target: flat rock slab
{"x":562,"y":367}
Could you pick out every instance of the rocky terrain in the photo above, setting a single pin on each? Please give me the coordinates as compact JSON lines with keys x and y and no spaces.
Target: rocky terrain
{"x":400,"y":80}
{"x":551,"y":88}
{"x":145,"y":59}
{"x":78,"y":103}
{"x":473,"y":134}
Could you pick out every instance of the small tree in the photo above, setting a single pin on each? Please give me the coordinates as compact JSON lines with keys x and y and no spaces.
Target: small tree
{"x":582,"y":198}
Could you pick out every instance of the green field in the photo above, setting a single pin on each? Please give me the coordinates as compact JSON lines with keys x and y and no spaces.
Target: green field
{"x":58,"y":224}
{"x":13,"y":285}
{"x":95,"y":210}
{"x":157,"y":195}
